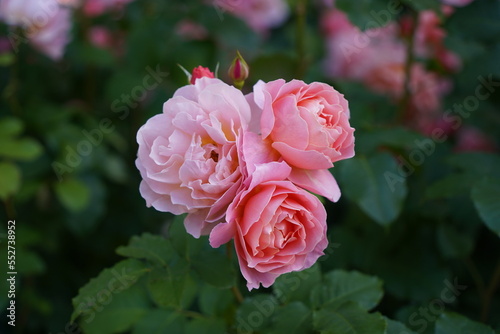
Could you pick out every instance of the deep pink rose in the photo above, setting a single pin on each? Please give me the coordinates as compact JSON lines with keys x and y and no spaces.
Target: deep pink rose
{"x":277,"y":227}
{"x":99,"y":7}
{"x":200,"y":72}
{"x":188,"y":155}
{"x":308,"y":124}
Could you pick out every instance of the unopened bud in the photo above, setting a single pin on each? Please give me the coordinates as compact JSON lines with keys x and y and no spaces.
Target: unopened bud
{"x":200,"y":72}
{"x":238,"y":71}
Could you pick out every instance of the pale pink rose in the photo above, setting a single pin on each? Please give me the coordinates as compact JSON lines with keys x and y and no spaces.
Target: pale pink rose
{"x":188,"y":155}
{"x":457,"y":3}
{"x":471,"y":139}
{"x":46,"y":23}
{"x":387,"y":79}
{"x":191,"y":30}
{"x":354,"y":54}
{"x":308,"y":124}
{"x":52,"y":38}
{"x":260,"y":15}
{"x":277,"y":227}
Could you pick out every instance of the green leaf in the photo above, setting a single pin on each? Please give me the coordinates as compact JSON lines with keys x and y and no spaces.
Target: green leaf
{"x":214,"y":267}
{"x":484,"y":164}
{"x":153,"y":248}
{"x":486,"y":198}
{"x":83,"y":221}
{"x":294,"y":318}
{"x":396,"y":327}
{"x":452,"y":243}
{"x":340,"y":287}
{"x":73,"y":194}
{"x":20,"y":149}
{"x":478,"y":21}
{"x":424,"y":4}
{"x":367,"y":14}
{"x":28,"y":262}
{"x":451,"y":186}
{"x":348,"y":319}
{"x":115,"y":312}
{"x":255,"y":313}
{"x":375,"y":184}
{"x":7,"y":59}
{"x":206,"y":326}
{"x":10,"y":179}
{"x":454,"y":323}
{"x":10,"y":127}
{"x":214,"y":301}
{"x":114,"y":281}
{"x":160,"y":321}
{"x":297,"y":286}
{"x":172,"y":286}
{"x":370,"y":141}
{"x":185,"y":244}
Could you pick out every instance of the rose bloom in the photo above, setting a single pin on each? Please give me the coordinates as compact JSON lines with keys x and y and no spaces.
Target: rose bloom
{"x":429,"y":40}
{"x":46,"y":23}
{"x":260,"y":15}
{"x":353,"y":54}
{"x":191,"y":30}
{"x":277,"y":227}
{"x":308,"y":124}
{"x":471,"y":139}
{"x":188,"y":155}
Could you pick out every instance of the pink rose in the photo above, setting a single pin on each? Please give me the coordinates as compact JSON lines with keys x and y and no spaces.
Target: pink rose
{"x":260,"y":15}
{"x":471,"y":139}
{"x":277,"y":227}
{"x":188,"y":155}
{"x":191,"y":30}
{"x":308,"y":124}
{"x":46,"y":24}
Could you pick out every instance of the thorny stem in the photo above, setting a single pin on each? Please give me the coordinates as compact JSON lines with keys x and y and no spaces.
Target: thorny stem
{"x":405,"y":100}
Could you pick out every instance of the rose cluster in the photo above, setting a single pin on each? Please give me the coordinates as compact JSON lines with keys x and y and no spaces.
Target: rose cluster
{"x":243,"y":167}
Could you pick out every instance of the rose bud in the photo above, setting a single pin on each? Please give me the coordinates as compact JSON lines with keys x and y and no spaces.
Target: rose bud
{"x":200,"y":72}
{"x":238,"y":71}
